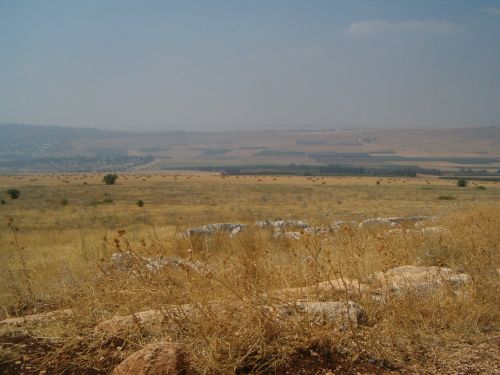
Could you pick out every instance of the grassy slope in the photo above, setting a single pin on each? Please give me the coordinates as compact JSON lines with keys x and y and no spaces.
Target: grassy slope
{"x":63,"y":248}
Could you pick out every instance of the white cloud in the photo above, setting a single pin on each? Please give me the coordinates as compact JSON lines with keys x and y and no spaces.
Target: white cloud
{"x":492,"y":10}
{"x":371,"y":27}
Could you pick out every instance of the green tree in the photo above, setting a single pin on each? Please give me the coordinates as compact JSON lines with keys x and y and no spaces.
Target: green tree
{"x":461,"y":182}
{"x":14,"y":193}
{"x":110,"y":178}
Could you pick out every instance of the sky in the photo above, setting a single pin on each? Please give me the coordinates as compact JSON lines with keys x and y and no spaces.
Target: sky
{"x":242,"y":65}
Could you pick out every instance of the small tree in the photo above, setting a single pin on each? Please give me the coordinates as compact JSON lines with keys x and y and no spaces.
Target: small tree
{"x":461,"y":182}
{"x":110,"y":178}
{"x":14,"y":193}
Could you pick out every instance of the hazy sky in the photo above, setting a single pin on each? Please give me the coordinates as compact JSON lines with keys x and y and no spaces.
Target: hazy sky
{"x":204,"y":65}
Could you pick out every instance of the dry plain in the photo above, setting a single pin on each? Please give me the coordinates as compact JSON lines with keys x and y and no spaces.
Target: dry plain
{"x":58,"y":238}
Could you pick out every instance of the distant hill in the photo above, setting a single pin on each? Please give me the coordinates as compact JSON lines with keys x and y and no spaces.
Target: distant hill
{"x":32,"y":148}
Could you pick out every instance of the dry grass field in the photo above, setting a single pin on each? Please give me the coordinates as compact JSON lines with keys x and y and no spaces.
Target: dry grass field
{"x":222,"y":301}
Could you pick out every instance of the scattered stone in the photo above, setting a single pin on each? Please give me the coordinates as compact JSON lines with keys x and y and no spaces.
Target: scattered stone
{"x":319,"y":231}
{"x":343,"y":313}
{"x":126,"y":261}
{"x":433,"y":230}
{"x":330,"y":312}
{"x":390,"y":221}
{"x":120,"y":324}
{"x":425,"y":230}
{"x":422,"y":279}
{"x":343,"y":285}
{"x":38,"y":318}
{"x":215,"y":228}
{"x":162,"y":358}
{"x":281,"y":224}
{"x":287,"y":235}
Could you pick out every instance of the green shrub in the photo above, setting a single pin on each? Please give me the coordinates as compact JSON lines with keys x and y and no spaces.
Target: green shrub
{"x":14,"y":193}
{"x":110,"y":178}
{"x":3,"y":202}
{"x":64,"y":202}
{"x":140,"y":203}
{"x":461,"y":182}
{"x":481,"y":188}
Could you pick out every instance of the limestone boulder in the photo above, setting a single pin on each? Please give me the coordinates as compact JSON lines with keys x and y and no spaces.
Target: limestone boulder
{"x":282,"y":224}
{"x":126,"y":261}
{"x":37,"y":318}
{"x":287,"y":235}
{"x":121,"y":324}
{"x":342,"y":314}
{"x":421,"y":279}
{"x":322,"y":289}
{"x":162,"y":358}
{"x":390,"y":221}
{"x":210,"y":229}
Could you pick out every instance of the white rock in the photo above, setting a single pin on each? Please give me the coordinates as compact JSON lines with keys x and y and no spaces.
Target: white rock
{"x":421,"y":279}
{"x":215,"y":228}
{"x":282,"y":224}
{"x":339,"y":313}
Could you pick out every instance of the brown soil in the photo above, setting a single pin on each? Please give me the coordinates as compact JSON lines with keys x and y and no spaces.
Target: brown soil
{"x":24,"y":355}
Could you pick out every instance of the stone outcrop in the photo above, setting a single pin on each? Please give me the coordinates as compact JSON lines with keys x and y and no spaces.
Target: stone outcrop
{"x":38,"y":318}
{"x":282,"y":224}
{"x":339,"y":313}
{"x":210,"y":229}
{"x":120,"y":324}
{"x":320,"y":231}
{"x":421,"y":279}
{"x":433,"y":230}
{"x":288,"y":235}
{"x":163,"y":358}
{"x":425,"y":230}
{"x":342,"y":285}
{"x":125,"y":261}
{"x":390,"y":221}
{"x":326,"y":312}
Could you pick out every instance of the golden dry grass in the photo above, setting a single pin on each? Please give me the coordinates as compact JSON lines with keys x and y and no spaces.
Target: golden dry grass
{"x":57,"y":256}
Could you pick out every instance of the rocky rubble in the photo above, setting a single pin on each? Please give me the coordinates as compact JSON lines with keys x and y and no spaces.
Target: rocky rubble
{"x":126,"y":260}
{"x":281,"y":224}
{"x":420,"y":279}
{"x":210,"y":229}
{"x":326,"y":312}
{"x":287,"y":235}
{"x":390,"y":221}
{"x":340,"y":284}
{"x":37,"y":318}
{"x":340,"y":313}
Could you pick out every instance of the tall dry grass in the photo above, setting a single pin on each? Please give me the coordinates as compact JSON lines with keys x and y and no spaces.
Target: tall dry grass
{"x":231,"y":328}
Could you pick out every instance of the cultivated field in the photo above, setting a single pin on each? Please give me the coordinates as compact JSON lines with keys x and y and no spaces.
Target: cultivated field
{"x":259,"y":300}
{"x":44,"y":148}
